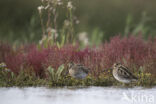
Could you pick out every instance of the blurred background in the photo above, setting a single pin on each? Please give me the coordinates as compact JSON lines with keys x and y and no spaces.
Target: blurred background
{"x":20,"y":22}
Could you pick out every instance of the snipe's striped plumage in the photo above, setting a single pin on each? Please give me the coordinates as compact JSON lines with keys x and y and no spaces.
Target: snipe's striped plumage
{"x":78,"y":71}
{"x":122,"y":74}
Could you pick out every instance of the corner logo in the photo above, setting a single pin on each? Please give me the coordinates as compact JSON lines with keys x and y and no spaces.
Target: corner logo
{"x":138,"y":98}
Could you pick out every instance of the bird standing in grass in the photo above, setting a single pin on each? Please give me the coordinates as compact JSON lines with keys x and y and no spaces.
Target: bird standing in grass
{"x":78,"y":71}
{"x":122,"y":74}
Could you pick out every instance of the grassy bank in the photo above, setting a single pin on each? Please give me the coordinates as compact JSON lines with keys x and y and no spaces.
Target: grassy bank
{"x":45,"y":63}
{"x":27,"y":80}
{"x":40,"y":65}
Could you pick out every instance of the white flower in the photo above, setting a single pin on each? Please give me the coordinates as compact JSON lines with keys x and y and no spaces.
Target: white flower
{"x":43,"y":39}
{"x":69,"y":5}
{"x":59,"y":2}
{"x":77,"y":21}
{"x":83,"y":38}
{"x":66,"y":22}
{"x":48,"y":29}
{"x":53,"y":31}
{"x":44,"y":0}
{"x":40,"y":8}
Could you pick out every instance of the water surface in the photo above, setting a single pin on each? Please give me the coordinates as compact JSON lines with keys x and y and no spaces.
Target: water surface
{"x":90,"y":95}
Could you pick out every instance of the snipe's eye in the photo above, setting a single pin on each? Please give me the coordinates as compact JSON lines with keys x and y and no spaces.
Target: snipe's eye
{"x":116,"y":64}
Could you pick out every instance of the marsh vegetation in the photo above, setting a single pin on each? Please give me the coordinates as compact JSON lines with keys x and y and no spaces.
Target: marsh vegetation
{"x":59,"y":40}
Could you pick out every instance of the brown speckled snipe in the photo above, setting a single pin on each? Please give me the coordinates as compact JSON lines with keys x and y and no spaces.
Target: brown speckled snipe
{"x":122,"y":74}
{"x":78,"y":71}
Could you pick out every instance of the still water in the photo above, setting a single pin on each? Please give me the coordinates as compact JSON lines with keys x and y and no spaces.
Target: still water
{"x":89,"y":95}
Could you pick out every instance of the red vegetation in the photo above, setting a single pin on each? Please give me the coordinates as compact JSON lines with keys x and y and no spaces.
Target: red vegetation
{"x":131,"y":51}
{"x":5,"y":50}
{"x":134,"y":50}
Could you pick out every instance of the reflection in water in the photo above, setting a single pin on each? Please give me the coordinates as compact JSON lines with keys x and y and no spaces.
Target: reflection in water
{"x":91,"y":95}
